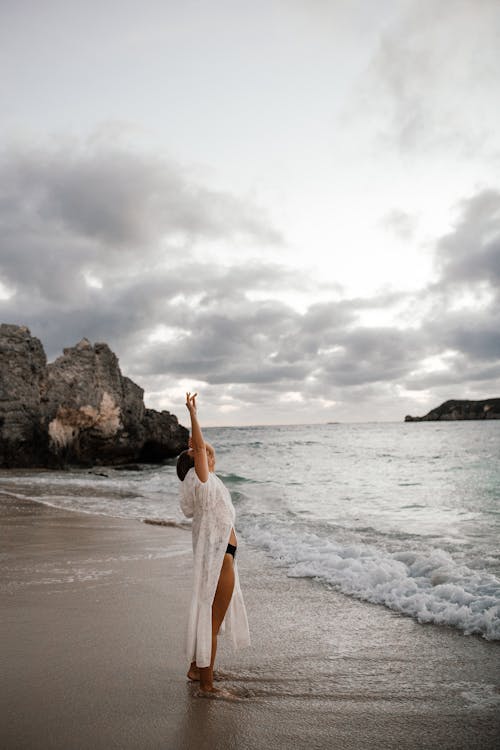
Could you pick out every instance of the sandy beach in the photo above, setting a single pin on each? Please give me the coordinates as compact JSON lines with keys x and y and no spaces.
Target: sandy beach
{"x":92,"y":630}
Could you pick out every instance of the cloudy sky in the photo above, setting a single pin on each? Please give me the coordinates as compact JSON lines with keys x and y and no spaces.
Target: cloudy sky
{"x":291,"y":206}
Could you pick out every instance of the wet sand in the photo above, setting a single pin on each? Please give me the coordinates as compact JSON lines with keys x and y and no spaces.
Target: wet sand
{"x":92,"y":630}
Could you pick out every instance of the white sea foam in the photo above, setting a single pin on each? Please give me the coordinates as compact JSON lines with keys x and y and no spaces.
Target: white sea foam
{"x":432,"y":588}
{"x":478,"y":696}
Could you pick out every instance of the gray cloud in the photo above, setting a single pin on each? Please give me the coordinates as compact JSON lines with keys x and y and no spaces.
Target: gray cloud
{"x":475,"y":334}
{"x":460,"y":371}
{"x":247,"y":350}
{"x":126,"y":199}
{"x":430,"y":79}
{"x":370,"y":355}
{"x":401,"y":223}
{"x":471,"y":252}
{"x":64,"y":213}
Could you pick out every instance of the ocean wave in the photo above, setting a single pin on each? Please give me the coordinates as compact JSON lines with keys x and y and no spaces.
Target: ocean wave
{"x":236,"y":479}
{"x":170,"y":522}
{"x":432,"y":588}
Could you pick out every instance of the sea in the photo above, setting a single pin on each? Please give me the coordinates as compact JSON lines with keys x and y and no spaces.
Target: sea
{"x":403,"y":515}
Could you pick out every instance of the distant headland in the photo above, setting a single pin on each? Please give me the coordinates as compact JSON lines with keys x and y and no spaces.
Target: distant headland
{"x":454,"y":410}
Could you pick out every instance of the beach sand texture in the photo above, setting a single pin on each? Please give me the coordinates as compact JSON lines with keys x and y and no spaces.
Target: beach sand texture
{"x":92,"y":631}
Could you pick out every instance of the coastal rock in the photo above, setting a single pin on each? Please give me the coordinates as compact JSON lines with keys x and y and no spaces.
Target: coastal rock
{"x":453,"y":410}
{"x":23,"y":381}
{"x":79,"y":409}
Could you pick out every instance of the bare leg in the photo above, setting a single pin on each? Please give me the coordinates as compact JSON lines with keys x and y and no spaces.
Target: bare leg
{"x":220,"y":604}
{"x":193,"y":671}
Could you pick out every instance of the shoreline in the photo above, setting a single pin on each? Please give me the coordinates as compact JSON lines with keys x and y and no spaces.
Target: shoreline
{"x":93,"y":627}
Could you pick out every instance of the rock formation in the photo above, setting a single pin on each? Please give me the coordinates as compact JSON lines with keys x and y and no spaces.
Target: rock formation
{"x":79,"y":409}
{"x":23,"y":380}
{"x":453,"y":410}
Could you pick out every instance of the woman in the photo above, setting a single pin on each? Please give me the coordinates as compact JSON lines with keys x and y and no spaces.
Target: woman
{"x":217,"y":602}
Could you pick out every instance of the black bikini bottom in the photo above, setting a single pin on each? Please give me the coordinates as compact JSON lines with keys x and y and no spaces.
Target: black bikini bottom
{"x":231,"y":549}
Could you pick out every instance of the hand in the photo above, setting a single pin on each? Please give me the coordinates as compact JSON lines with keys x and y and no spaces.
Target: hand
{"x":191,"y":403}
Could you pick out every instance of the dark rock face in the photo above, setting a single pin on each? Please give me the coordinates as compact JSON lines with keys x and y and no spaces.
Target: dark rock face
{"x":453,"y":410}
{"x":23,"y":382}
{"x":79,"y":409}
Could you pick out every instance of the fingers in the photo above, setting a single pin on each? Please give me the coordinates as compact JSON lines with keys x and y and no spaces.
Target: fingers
{"x":191,"y":400}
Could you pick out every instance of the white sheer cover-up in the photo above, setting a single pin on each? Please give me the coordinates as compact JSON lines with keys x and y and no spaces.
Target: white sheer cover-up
{"x":209,"y":505}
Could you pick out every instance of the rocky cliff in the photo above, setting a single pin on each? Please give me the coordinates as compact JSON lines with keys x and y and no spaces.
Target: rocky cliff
{"x":79,"y":409}
{"x":452,"y":410}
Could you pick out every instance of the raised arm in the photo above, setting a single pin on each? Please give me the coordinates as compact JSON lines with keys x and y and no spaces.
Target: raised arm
{"x":198,"y":444}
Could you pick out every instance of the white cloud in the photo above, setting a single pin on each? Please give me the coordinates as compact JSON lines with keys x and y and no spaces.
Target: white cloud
{"x":223,"y":328}
{"x":319,"y":218}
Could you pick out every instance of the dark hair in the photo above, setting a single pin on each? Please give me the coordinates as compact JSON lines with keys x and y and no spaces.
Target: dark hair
{"x":184,"y":463}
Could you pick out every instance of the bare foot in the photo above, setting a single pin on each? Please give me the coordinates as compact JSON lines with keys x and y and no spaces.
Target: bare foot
{"x":194,"y":674}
